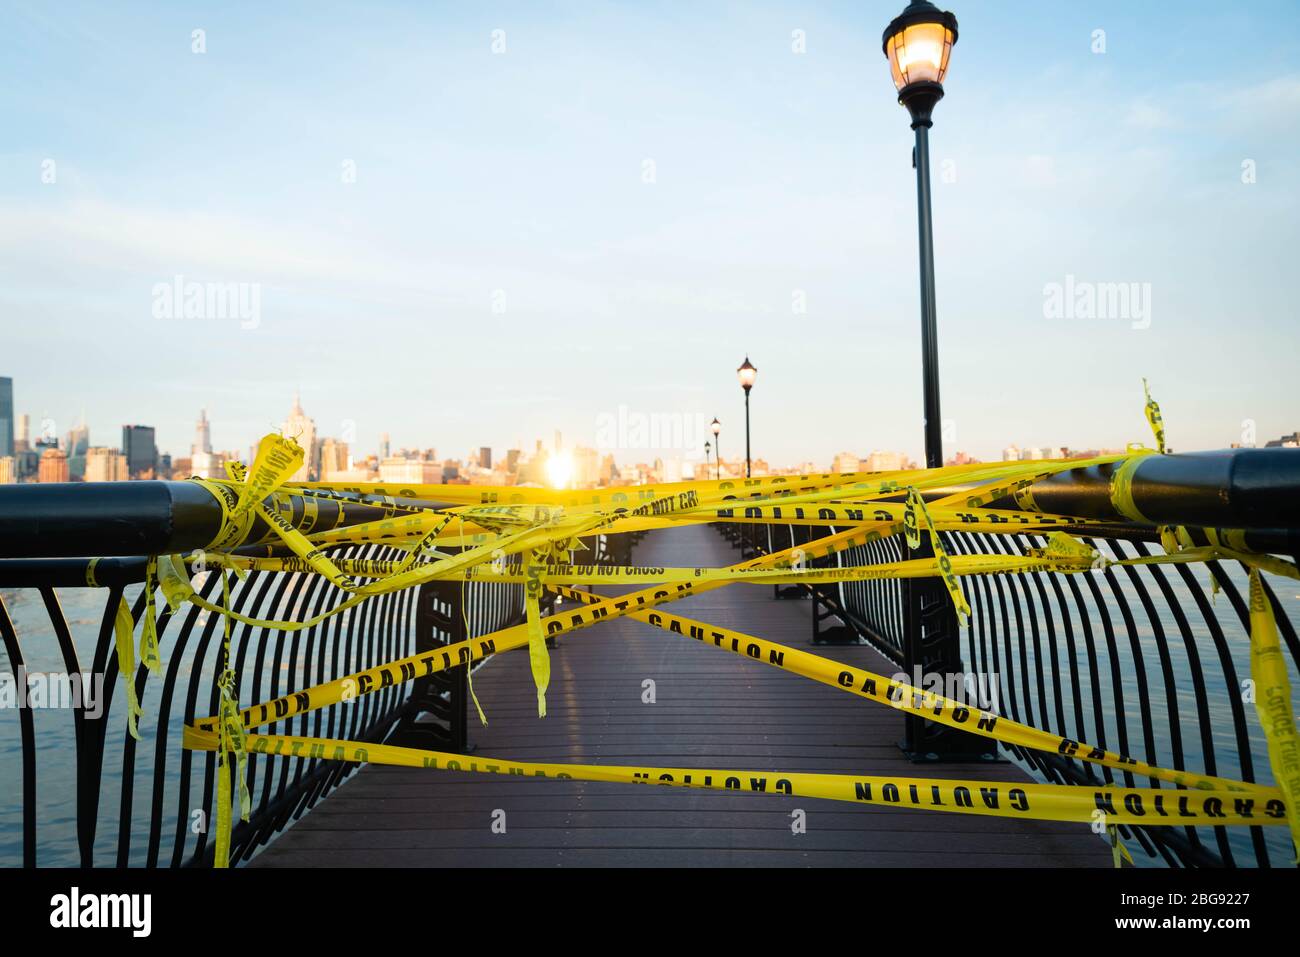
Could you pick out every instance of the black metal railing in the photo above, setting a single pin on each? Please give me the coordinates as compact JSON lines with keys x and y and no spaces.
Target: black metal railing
{"x":92,"y":795}
{"x":1143,"y":659}
{"x":81,"y":791}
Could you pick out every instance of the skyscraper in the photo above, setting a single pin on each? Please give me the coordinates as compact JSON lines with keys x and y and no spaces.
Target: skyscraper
{"x":53,"y":467}
{"x":333,"y":458}
{"x":302,"y":429}
{"x":6,"y":416}
{"x":202,"y":434}
{"x":23,"y":437}
{"x":106,"y":465}
{"x":140,"y":450}
{"x":78,"y":441}
{"x":203,"y":463}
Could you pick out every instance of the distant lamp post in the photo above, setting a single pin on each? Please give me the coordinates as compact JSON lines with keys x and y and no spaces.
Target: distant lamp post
{"x":918,"y":43}
{"x":707,"y":447}
{"x":717,"y":446}
{"x":746,"y":374}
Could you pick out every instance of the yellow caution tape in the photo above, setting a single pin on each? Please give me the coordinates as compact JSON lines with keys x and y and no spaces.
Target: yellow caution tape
{"x":149,"y":627}
{"x":230,"y":740}
{"x":911,"y":519}
{"x":1121,"y":487}
{"x":957,"y":566}
{"x":544,"y":528}
{"x":1119,"y":853}
{"x":831,"y":513}
{"x":276,"y":460}
{"x":1273,"y":699}
{"x":1210,"y":553}
{"x":915,"y":502}
{"x":123,"y":633}
{"x":424,"y":544}
{"x":233,"y":530}
{"x":1039,"y":802}
{"x":463,"y":652}
{"x":905,"y":697}
{"x":538,"y":658}
{"x":1154,"y":418}
{"x":1061,"y":545}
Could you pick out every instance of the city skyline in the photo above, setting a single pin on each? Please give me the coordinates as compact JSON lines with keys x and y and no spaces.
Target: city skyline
{"x":538,"y":211}
{"x":1248,"y":436}
{"x":333,"y":458}
{"x":78,"y":440}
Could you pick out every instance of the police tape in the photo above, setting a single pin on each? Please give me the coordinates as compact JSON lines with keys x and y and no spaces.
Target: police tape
{"x":529,"y":536}
{"x":669,"y":500}
{"x":861,"y":682}
{"x":1273,"y":699}
{"x":915,"y":515}
{"x":555,"y":527}
{"x":471,"y":650}
{"x":474,"y":649}
{"x":464,"y":652}
{"x":597,"y":574}
{"x":905,"y":697}
{"x":417,"y":524}
{"x":548,"y":527}
{"x":644,"y":495}
{"x":1102,"y":804}
{"x":840,"y":503}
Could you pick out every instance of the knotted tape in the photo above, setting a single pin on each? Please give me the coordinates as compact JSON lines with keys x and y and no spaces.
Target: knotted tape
{"x":1154,"y":419}
{"x":911,"y":526}
{"x":538,"y":658}
{"x":124,"y":633}
{"x":230,"y":742}
{"x":1273,"y":700}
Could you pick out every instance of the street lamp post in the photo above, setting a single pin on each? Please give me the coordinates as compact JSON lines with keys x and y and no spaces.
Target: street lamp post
{"x":707,"y":447}
{"x":918,"y":43}
{"x":746,"y":374}
{"x":716,"y":426}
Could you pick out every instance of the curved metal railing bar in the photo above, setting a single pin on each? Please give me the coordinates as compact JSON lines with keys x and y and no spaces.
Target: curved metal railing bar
{"x":149,"y":802}
{"x":1142,"y":659}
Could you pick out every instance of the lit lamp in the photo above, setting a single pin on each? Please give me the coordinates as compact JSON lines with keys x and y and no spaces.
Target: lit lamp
{"x":717,"y":447}
{"x":746,"y":374}
{"x":918,"y":43}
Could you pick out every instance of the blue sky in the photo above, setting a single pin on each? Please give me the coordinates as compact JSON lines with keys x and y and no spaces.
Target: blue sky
{"x":520,"y":175}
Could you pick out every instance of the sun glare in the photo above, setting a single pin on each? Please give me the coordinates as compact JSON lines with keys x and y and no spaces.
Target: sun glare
{"x":559,"y":469}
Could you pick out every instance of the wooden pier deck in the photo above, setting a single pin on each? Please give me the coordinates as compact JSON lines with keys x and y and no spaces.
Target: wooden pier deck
{"x":713,"y":709}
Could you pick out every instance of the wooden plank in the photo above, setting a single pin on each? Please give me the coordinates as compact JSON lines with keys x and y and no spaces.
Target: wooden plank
{"x":712,"y":709}
{"x":652,"y":857}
